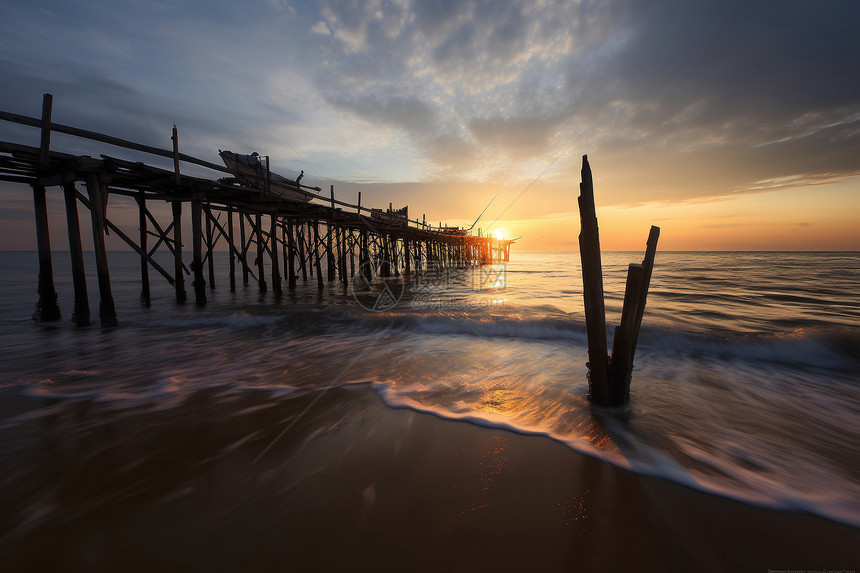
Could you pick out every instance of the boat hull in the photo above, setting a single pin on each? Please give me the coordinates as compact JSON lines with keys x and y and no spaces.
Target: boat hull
{"x":249,"y":171}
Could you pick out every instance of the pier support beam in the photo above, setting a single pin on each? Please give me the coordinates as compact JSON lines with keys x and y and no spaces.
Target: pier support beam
{"x":363,"y":257}
{"x":178,"y":269}
{"x":261,"y":277}
{"x":107,"y":312}
{"x":407,"y":255}
{"x":385,"y":263}
{"x":210,"y":246}
{"x":276,"y":270}
{"x":339,"y":251}
{"x":290,"y":249}
{"x":351,"y":242}
{"x":145,"y":296}
{"x":244,"y":258}
{"x":48,"y":309}
{"x":316,"y":254}
{"x":343,"y":275}
{"x":199,"y":282}
{"x":81,"y":314}
{"x":300,"y":240}
{"x":329,"y":252}
{"x":231,"y":247}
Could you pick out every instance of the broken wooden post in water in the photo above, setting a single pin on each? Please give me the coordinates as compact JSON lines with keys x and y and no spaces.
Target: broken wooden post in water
{"x":609,"y":378}
{"x":592,"y":289}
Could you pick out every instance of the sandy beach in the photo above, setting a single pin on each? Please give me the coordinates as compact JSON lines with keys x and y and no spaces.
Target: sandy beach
{"x":223,"y":480}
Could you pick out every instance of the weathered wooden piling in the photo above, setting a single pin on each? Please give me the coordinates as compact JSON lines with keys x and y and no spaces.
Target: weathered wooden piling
{"x":621,"y":362}
{"x":609,"y":378}
{"x":107,"y":312}
{"x":244,"y":257}
{"x":210,"y":244}
{"x":230,"y":242}
{"x":300,"y":245}
{"x":48,"y":308}
{"x":81,"y":314}
{"x":178,"y":267}
{"x":257,"y":226}
{"x":273,"y":242}
{"x":198,"y":283}
{"x":291,"y":250}
{"x":145,"y":295}
{"x":316,"y":254}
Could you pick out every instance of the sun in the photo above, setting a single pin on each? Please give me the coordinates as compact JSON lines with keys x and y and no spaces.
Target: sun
{"x":500,"y":234}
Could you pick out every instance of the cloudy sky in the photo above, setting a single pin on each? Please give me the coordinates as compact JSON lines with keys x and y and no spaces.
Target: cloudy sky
{"x":732,"y":124}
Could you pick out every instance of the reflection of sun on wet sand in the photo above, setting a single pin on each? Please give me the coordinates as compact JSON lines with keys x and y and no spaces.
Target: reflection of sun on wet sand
{"x":356,"y":485}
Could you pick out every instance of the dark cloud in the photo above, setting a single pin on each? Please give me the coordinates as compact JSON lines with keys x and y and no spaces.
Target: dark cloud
{"x":763,"y":59}
{"x":407,"y":113}
{"x":493,"y":34}
{"x":722,"y":95}
{"x":521,"y":136}
{"x":455,"y":154}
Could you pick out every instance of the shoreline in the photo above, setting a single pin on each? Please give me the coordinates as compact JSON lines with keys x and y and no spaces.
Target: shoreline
{"x":226,"y":480}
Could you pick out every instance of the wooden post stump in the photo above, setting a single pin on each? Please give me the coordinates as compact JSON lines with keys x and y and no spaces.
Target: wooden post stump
{"x":592,"y":287}
{"x":609,"y":378}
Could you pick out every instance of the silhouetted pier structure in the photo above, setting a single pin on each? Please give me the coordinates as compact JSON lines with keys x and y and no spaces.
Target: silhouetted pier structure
{"x":324,"y":238}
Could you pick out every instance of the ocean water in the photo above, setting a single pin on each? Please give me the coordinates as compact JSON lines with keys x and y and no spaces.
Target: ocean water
{"x":746,"y":380}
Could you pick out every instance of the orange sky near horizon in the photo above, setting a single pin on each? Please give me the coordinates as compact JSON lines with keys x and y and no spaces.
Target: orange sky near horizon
{"x":817,"y":218}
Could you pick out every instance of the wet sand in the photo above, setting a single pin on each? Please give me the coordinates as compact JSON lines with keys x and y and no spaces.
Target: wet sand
{"x":222,"y":480}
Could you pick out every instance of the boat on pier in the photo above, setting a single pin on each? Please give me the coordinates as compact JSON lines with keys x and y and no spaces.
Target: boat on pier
{"x":250,"y":171}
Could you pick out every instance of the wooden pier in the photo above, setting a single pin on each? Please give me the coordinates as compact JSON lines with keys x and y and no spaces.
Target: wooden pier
{"x":323,"y":239}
